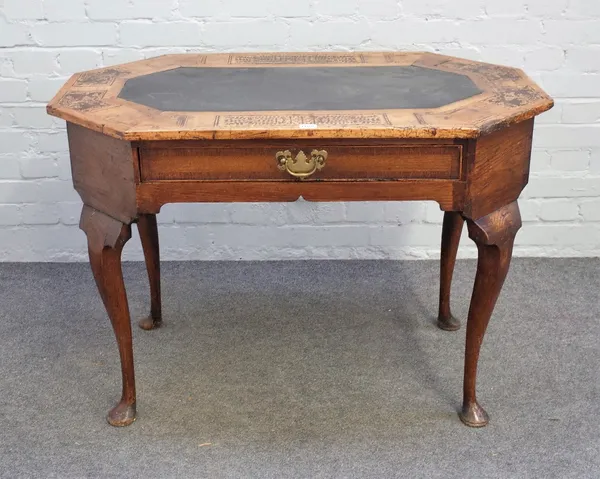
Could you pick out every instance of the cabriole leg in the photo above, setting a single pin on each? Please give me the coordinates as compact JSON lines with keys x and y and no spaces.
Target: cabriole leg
{"x":494,"y":236}
{"x":451,"y":231}
{"x":149,"y":236}
{"x":106,"y":238}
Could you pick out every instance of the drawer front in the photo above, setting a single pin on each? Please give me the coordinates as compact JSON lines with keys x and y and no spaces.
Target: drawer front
{"x":316,"y":162}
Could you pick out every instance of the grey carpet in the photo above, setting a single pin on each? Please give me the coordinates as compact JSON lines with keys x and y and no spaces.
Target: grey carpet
{"x":300,"y":369}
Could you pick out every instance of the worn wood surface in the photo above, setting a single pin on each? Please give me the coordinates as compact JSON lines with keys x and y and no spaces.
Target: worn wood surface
{"x":471,"y":156}
{"x":106,"y":238}
{"x":101,"y":230}
{"x":451,"y":230}
{"x":148,"y":229}
{"x":498,"y":169}
{"x":494,"y":236}
{"x":152,"y":196}
{"x":228,"y":161}
{"x":103,"y":172}
{"x":91,"y":99}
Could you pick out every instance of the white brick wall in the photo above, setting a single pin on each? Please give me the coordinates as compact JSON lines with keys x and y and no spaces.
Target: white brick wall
{"x":42,"y":42}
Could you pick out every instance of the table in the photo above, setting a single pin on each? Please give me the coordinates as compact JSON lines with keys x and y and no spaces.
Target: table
{"x":280,"y":126}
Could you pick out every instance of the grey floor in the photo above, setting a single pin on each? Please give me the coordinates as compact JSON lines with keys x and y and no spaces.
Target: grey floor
{"x":300,"y":369}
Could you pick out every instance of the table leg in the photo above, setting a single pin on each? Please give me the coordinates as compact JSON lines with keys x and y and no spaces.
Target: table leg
{"x":106,"y":238}
{"x":494,"y":235}
{"x":451,"y":231}
{"x":149,"y":235}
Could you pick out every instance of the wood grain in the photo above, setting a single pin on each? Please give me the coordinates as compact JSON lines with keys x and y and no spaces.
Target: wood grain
{"x":103,"y":172}
{"x":91,"y":99}
{"x":451,"y":231}
{"x":471,"y":156}
{"x":148,"y":229}
{"x":152,"y":196}
{"x":494,"y":235}
{"x":228,"y":162}
{"x":498,"y":169}
{"x":105,"y":247}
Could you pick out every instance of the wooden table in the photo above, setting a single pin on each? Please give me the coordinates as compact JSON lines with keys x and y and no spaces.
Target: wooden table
{"x":278,"y":126}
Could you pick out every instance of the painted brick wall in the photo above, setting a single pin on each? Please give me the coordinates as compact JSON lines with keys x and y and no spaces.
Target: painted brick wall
{"x":42,"y":42}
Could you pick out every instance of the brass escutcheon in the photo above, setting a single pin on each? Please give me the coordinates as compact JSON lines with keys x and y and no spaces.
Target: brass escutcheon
{"x":301,"y":166}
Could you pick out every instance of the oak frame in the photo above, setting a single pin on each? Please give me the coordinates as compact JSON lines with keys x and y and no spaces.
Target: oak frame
{"x":478,"y":151}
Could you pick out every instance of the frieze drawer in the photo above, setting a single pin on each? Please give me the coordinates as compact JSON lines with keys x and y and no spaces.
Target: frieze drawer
{"x":314,"y":161}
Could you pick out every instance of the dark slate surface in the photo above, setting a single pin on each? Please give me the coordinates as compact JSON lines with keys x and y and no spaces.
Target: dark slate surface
{"x":277,"y":89}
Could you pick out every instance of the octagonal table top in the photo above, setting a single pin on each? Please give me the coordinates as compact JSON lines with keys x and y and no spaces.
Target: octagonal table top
{"x":299,"y":95}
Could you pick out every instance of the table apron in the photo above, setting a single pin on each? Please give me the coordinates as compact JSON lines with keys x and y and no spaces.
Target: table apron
{"x":151,"y":196}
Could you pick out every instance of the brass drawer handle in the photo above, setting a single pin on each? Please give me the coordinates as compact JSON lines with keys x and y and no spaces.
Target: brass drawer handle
{"x":301,"y":166}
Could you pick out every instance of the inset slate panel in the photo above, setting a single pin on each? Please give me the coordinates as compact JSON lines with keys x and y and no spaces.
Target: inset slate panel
{"x":296,"y":89}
